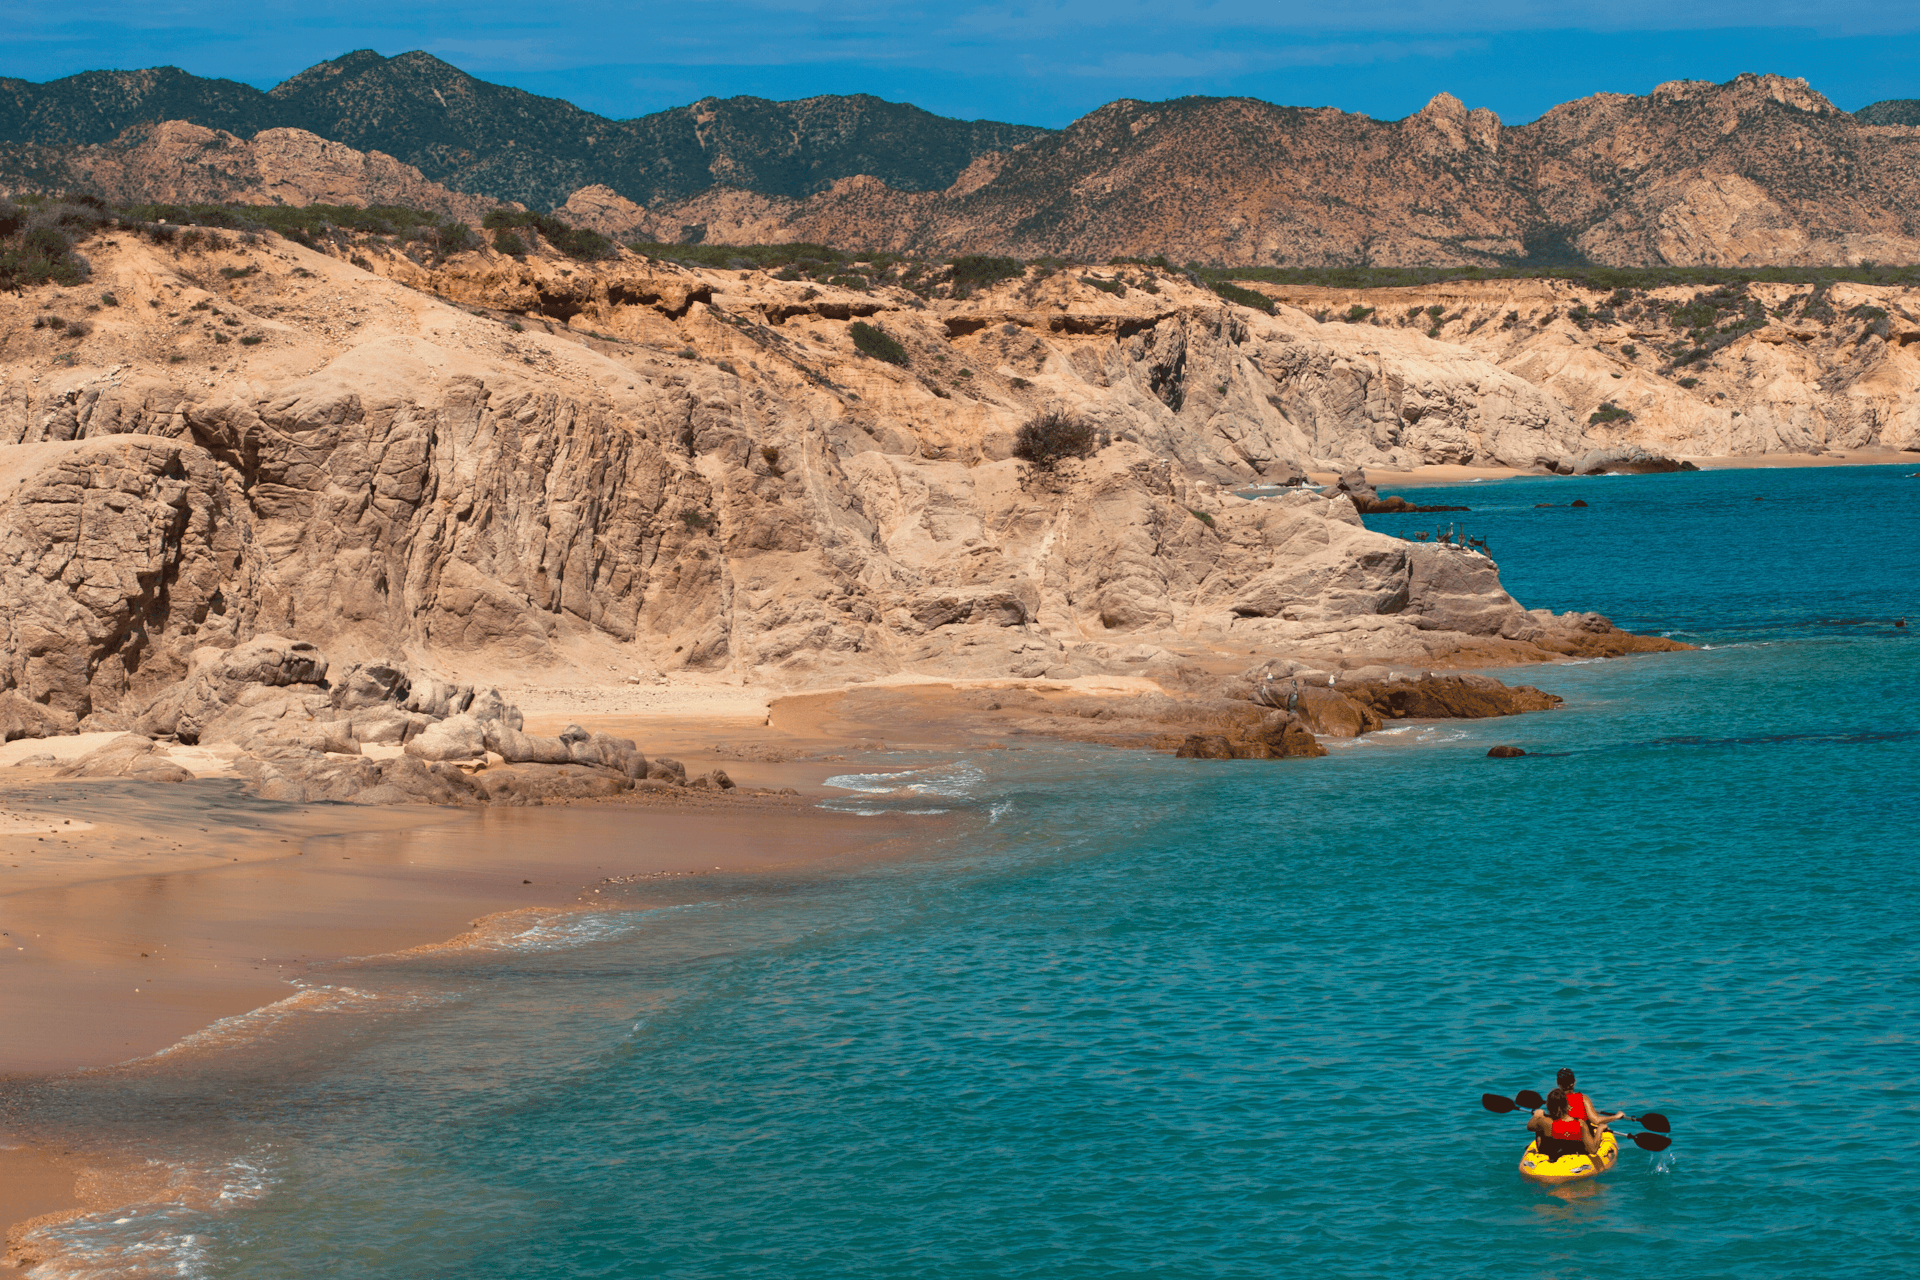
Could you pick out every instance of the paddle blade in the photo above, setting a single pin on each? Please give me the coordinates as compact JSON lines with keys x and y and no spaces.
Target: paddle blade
{"x":1529,"y":1099}
{"x":1497,"y":1104}
{"x":1651,"y":1141}
{"x":1655,"y":1121}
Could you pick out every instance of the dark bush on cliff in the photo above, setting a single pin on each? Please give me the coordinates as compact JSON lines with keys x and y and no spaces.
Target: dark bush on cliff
{"x":977,"y":270}
{"x":1244,"y":297}
{"x":1052,"y":436}
{"x":37,"y":238}
{"x":584,"y":246}
{"x":872,"y":341}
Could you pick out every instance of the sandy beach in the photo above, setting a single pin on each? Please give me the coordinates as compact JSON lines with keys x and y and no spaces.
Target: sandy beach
{"x":134,"y":914}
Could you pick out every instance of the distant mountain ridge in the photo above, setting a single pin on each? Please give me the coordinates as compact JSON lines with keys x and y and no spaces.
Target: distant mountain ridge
{"x":1758,"y":171}
{"x":1892,"y":111}
{"x":490,"y":139}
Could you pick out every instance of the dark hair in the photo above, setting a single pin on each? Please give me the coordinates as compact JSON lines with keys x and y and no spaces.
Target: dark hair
{"x":1557,"y":1103}
{"x":1565,"y":1077}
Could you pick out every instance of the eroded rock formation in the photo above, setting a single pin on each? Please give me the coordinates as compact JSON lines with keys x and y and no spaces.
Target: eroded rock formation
{"x":639,"y":468}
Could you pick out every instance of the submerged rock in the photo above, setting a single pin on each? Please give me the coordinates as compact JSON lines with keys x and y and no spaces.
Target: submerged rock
{"x":1505,"y":752}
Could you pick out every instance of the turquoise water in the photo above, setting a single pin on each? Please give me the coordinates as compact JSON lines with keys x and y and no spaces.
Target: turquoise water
{"x":1128,"y":1015}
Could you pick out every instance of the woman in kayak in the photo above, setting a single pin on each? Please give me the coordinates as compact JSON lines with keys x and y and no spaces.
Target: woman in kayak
{"x":1581,"y":1106}
{"x":1559,"y":1133}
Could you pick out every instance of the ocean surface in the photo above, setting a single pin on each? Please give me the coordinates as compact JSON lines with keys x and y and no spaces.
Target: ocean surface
{"x":1124,"y":1015}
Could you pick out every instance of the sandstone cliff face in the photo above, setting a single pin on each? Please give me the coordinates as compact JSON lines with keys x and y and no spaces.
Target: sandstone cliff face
{"x":636,"y":467}
{"x":1761,"y":369}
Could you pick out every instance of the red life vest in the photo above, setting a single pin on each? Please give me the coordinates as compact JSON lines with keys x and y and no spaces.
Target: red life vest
{"x":1577,"y":1106}
{"x":1569,"y":1128}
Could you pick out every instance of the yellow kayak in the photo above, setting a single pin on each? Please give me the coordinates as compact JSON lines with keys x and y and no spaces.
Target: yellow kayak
{"x":1569,"y":1168}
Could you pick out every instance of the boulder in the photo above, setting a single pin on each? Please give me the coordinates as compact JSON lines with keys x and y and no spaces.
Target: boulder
{"x":23,"y":718}
{"x":1463,"y":696}
{"x":1631,"y":459}
{"x":515,"y":747}
{"x":1205,"y":746}
{"x":715,"y":781}
{"x":217,"y":679}
{"x":309,"y":777}
{"x":605,"y":751}
{"x":1504,"y":752}
{"x":458,"y":737}
{"x":661,"y":769}
{"x":517,"y":786}
{"x":438,"y":699}
{"x":370,"y":684}
{"x":1332,"y":713}
{"x":491,"y":708}
{"x":126,"y":757}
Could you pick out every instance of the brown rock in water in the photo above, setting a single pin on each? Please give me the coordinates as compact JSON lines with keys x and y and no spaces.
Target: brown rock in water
{"x":1578,"y":502}
{"x":1205,"y":746}
{"x":1448,"y":697}
{"x":1333,"y":713}
{"x":1505,"y":752}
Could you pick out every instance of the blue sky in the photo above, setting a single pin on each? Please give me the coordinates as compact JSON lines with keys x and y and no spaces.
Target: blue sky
{"x":1038,"y":63}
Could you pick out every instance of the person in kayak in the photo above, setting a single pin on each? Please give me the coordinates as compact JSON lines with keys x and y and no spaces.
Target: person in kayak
{"x":1558,"y":1133}
{"x":1581,"y":1106}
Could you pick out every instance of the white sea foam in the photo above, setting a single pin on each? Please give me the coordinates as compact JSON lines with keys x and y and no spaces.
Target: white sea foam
{"x":255,"y":1023}
{"x":158,"y":1233}
{"x":959,"y":780}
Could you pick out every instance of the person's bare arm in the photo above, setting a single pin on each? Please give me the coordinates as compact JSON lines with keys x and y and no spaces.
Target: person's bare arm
{"x":1601,"y":1114}
{"x":1590,"y":1137}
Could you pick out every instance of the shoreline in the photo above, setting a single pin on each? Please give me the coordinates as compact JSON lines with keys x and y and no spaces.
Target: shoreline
{"x":118,"y":952}
{"x":1435,"y":475}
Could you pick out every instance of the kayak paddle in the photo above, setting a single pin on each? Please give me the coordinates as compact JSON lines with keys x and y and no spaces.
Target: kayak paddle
{"x":1528,"y":1100}
{"x":1645,"y":1141}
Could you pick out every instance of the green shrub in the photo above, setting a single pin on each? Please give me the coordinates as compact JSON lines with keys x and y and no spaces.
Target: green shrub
{"x":107,"y":299}
{"x":872,"y":341}
{"x":695,"y":519}
{"x":1052,"y":436}
{"x":252,"y":340}
{"x":1203,"y":517}
{"x":1242,"y":297}
{"x":1608,"y":412}
{"x":1356,"y":313}
{"x":977,"y":270}
{"x":1114,"y":287}
{"x":455,"y":237}
{"x":509,"y":243}
{"x":1689,"y":383}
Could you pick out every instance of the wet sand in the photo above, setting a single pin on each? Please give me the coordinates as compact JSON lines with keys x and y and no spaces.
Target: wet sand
{"x":133,"y":914}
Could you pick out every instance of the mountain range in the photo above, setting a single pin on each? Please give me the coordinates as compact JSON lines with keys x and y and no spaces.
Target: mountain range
{"x":1758,"y":171}
{"x":486,"y":138}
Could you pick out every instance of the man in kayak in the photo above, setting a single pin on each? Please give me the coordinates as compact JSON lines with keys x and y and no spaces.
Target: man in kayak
{"x":1581,"y":1106}
{"x":1559,"y":1133}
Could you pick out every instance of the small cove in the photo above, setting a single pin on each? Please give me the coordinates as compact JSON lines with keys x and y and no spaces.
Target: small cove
{"x":1125,"y":1015}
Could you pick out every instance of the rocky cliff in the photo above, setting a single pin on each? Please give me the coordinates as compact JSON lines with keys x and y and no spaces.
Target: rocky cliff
{"x":1687,"y":371}
{"x":503,"y":464}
